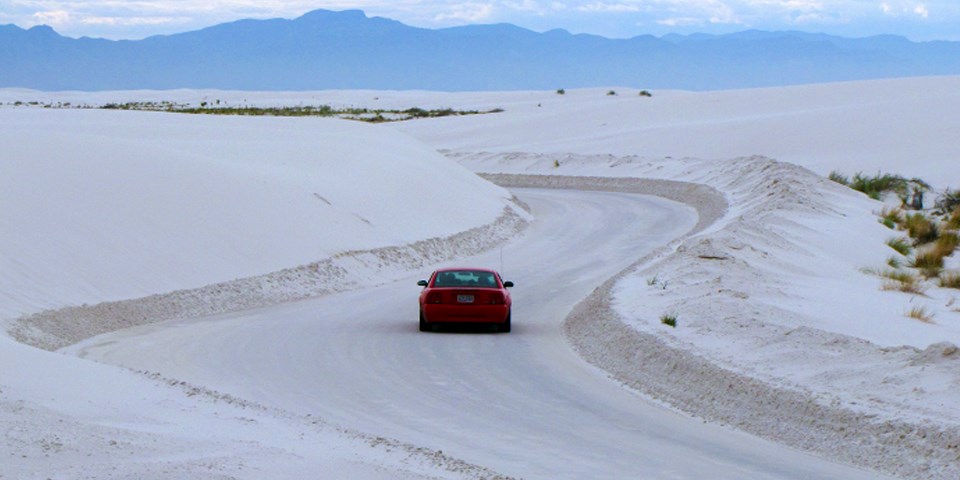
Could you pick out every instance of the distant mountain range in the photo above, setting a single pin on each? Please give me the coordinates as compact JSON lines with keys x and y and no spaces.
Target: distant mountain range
{"x":327,"y":50}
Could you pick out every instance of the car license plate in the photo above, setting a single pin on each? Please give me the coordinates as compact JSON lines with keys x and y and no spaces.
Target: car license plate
{"x":464,"y":298}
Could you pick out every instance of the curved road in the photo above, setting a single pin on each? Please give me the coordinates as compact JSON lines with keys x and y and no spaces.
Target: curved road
{"x":523,"y":403}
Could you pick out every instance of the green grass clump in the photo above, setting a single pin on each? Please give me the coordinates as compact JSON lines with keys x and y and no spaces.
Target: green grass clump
{"x":839,"y":178}
{"x":901,"y":245}
{"x":879,"y":184}
{"x":670,"y":320}
{"x":891,"y":218}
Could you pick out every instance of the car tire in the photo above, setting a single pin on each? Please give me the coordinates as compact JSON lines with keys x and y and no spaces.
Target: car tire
{"x":424,"y":326}
{"x":505,"y":326}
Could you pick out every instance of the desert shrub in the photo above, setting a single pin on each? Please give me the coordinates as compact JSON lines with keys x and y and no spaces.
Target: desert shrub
{"x":561,"y":91}
{"x":921,"y":229}
{"x":946,"y":244}
{"x":920,"y":313}
{"x":929,"y":262}
{"x":948,"y":201}
{"x":950,"y":280}
{"x":894,"y":262}
{"x":611,"y":93}
{"x":902,"y":281}
{"x":670,"y":320}
{"x":645,"y":93}
{"x":875,"y":186}
{"x":839,"y":178}
{"x":891,"y":218}
{"x":953,"y":223}
{"x":901,"y":245}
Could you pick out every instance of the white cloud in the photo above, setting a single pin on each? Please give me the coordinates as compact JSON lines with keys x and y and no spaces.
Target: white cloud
{"x":680,"y":22}
{"x":53,"y":18}
{"x":608,"y":7}
{"x":468,"y":12}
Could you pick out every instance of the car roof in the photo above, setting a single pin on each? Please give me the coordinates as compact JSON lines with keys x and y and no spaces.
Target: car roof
{"x":457,"y":269}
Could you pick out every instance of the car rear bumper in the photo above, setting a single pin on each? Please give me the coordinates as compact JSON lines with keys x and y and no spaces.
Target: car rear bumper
{"x":436,"y":313}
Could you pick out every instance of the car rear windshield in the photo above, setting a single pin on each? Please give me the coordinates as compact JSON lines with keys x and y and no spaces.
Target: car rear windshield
{"x":466,"y":278}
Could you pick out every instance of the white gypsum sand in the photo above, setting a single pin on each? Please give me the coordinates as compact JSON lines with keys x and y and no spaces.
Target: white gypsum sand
{"x":772,"y":305}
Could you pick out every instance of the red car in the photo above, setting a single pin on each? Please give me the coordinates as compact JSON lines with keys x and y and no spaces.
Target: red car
{"x":465,"y":295}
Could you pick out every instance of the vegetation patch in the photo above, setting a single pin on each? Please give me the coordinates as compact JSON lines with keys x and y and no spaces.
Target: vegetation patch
{"x":921,"y":229}
{"x":669,"y":320}
{"x":920,"y":313}
{"x":910,"y":191}
{"x":901,"y":281}
{"x":950,"y":280}
{"x":932,"y":234}
{"x":218,"y":107}
{"x":901,"y":245}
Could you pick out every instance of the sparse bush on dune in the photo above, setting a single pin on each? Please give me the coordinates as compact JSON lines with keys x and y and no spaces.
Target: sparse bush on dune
{"x":929,"y":262}
{"x":920,"y":313}
{"x":901,"y":245}
{"x":909,"y":191}
{"x":950,"y":280}
{"x":561,"y":91}
{"x":839,"y":178}
{"x":953,"y":222}
{"x":891,"y":218}
{"x":948,"y":202}
{"x":362,"y":114}
{"x":879,"y":184}
{"x":946,"y":244}
{"x":902,"y":281}
{"x":921,"y":229}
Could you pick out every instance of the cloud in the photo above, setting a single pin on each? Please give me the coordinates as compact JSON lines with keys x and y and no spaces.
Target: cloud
{"x":604,"y":7}
{"x":52,"y":17}
{"x":469,"y":12}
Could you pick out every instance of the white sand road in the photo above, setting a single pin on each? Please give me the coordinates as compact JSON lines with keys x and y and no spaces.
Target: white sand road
{"x":522,"y":404}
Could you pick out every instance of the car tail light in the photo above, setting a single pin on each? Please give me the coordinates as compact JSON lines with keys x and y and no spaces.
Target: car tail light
{"x":433,"y":297}
{"x":496,"y":298}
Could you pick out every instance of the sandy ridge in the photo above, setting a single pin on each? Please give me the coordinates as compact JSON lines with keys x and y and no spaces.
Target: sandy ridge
{"x":55,"y":329}
{"x":912,"y":446}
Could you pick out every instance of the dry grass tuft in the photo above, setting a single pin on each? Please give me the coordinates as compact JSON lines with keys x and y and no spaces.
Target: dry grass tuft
{"x":950,"y":280}
{"x":929,"y":262}
{"x":953,"y":223}
{"x":921,"y":229}
{"x":946,"y":244}
{"x":901,"y":281}
{"x":920,"y":313}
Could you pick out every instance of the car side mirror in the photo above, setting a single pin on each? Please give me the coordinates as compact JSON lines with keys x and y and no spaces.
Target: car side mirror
{"x":422,"y":283}
{"x":507,"y":284}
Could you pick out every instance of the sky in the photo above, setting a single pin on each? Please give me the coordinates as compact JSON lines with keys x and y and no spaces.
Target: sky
{"x":919,"y":20}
